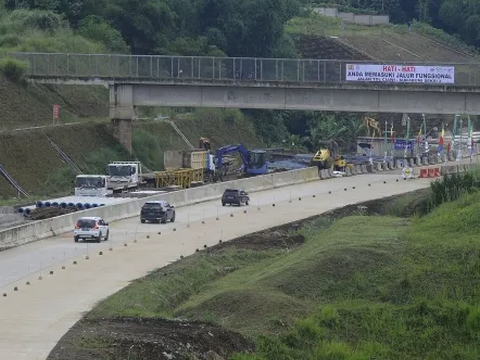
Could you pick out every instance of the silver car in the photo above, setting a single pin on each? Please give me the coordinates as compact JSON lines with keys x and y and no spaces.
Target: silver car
{"x":91,"y":228}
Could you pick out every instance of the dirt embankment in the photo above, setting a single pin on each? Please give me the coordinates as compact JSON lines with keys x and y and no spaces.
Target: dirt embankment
{"x":156,"y":339}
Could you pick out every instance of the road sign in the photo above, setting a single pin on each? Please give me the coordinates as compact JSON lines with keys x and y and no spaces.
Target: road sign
{"x":56,"y":111}
{"x":407,"y":172}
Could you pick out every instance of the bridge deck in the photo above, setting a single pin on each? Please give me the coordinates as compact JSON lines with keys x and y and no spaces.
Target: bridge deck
{"x":153,"y":68}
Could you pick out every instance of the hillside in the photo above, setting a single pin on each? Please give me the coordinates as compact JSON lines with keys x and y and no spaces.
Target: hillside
{"x":352,"y":285}
{"x":321,"y":37}
{"x":379,"y":43}
{"x":32,"y":105}
{"x":32,"y":161}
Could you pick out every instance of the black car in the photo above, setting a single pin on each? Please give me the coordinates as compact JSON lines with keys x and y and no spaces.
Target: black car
{"x":157,"y":211}
{"x":235,"y":197}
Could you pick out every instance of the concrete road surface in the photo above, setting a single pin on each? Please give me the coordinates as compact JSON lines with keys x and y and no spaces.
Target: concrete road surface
{"x":36,"y":316}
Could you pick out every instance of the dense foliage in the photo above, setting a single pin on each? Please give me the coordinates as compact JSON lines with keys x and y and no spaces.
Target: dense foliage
{"x":187,"y":27}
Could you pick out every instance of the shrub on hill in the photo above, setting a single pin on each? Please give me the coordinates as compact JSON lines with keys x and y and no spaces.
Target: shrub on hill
{"x":13,"y":69}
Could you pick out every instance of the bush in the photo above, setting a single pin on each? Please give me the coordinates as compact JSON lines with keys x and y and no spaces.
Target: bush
{"x":14,"y":70}
{"x":36,"y":19}
{"x":96,"y":29}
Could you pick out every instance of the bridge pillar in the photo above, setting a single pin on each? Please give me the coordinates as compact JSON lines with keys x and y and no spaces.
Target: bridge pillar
{"x":122,"y":113}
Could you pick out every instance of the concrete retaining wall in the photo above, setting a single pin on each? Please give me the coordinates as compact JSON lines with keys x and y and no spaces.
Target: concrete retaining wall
{"x":42,"y":229}
{"x":353,"y":18}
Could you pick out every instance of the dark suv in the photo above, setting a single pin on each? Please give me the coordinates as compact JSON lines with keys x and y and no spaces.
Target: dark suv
{"x":157,"y":211}
{"x":235,"y":196}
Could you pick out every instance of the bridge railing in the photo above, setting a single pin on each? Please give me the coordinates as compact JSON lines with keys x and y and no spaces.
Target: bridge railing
{"x":145,"y":67}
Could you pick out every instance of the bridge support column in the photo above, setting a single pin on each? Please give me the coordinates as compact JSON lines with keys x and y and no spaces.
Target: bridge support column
{"x":122,"y":113}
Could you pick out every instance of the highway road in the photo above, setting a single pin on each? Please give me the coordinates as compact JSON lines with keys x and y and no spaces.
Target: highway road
{"x":36,"y":316}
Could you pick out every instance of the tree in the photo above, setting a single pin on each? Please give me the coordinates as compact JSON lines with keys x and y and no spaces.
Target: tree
{"x":96,"y":28}
{"x":145,"y":25}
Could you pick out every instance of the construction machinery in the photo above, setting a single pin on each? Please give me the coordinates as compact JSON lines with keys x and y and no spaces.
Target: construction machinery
{"x":372,"y":127}
{"x":328,"y":157}
{"x":254,"y":161}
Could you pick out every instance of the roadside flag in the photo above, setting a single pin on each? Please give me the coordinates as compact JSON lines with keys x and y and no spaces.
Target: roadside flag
{"x":470,"y":136}
{"x":440,"y":142}
{"x":419,"y":138}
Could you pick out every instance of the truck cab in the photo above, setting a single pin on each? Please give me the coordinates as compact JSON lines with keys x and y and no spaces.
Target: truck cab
{"x":91,"y":185}
{"x":124,"y":175}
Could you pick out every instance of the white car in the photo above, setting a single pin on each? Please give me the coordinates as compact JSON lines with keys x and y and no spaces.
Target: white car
{"x":91,"y":228}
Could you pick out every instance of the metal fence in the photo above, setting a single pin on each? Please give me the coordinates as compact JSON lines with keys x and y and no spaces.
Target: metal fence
{"x":210,"y":68}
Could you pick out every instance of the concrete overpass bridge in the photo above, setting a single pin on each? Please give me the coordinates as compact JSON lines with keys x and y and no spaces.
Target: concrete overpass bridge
{"x":297,"y":84}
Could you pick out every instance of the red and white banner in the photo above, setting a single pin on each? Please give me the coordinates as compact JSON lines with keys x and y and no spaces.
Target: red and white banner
{"x":400,"y":73}
{"x":56,"y":110}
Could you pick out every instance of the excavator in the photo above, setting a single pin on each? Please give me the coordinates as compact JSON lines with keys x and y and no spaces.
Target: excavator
{"x":254,"y":161}
{"x":328,"y":157}
{"x":373,"y":125}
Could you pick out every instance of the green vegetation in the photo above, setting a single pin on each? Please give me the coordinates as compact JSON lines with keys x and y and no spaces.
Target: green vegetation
{"x":97,"y":147}
{"x":459,"y":18}
{"x":362,"y":287}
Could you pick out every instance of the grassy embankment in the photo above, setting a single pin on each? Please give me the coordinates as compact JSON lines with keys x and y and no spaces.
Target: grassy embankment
{"x":321,"y":37}
{"x":36,"y":166}
{"x":362,"y":287}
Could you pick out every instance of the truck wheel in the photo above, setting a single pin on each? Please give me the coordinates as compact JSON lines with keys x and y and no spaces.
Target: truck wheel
{"x":173,"y":218}
{"x":76,"y":238}
{"x":164,"y":220}
{"x":108,"y":234}
{"x":223,"y":204}
{"x":246,"y":203}
{"x":99,"y":239}
{"x":142,"y":221}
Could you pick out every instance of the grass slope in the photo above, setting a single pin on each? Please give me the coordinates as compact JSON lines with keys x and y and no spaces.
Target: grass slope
{"x":31,"y":160}
{"x":32,"y":105}
{"x":320,"y":37}
{"x":364,"y":287}
{"x":383,"y":42}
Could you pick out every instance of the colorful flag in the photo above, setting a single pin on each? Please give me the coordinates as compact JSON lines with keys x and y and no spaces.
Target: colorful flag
{"x":470,"y":136}
{"x":440,"y":142}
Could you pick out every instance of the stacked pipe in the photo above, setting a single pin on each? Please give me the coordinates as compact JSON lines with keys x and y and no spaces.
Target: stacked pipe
{"x":26,"y":211}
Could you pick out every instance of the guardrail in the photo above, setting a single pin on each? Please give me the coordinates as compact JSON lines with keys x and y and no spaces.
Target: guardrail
{"x":42,"y":229}
{"x":157,"y":67}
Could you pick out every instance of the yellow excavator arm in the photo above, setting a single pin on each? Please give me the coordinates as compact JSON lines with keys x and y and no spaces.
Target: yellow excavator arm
{"x":372,"y":124}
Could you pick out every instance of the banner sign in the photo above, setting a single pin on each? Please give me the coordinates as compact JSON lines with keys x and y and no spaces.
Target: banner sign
{"x":400,"y":73}
{"x":56,"y":110}
{"x":402,"y":144}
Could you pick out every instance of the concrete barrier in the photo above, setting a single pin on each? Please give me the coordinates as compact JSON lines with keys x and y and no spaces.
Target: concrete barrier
{"x":42,"y":229}
{"x":348,"y":172}
{"x":378,"y":166}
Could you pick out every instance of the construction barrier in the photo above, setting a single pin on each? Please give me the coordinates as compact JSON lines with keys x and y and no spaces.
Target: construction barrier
{"x":429,"y":172}
{"x":180,"y":177}
{"x":41,"y":229}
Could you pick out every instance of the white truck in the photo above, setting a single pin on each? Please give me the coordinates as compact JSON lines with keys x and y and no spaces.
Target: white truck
{"x":124,"y":175}
{"x":92,"y":185}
